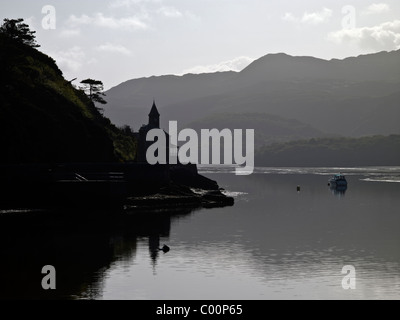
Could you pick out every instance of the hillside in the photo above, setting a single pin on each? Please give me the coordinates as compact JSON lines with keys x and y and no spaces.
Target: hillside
{"x":43,"y":118}
{"x":333,"y":152}
{"x":128,"y":103}
{"x":353,"y":97}
{"x":268,"y":128}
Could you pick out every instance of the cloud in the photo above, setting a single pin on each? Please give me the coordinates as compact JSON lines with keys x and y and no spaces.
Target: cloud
{"x":70,"y":60}
{"x":376,"y":8}
{"x":170,"y":12}
{"x":121,"y":4}
{"x":31,"y":22}
{"x":130,"y":3}
{"x":313,"y":18}
{"x":152,"y":8}
{"x":317,"y":17}
{"x":69,"y":33}
{"x":236,"y":64}
{"x":99,"y":20}
{"x":385,"y":36}
{"x":289,"y":17}
{"x":114,"y":48}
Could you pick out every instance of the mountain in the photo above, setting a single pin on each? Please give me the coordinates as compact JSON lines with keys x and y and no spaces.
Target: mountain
{"x":129,"y":103}
{"x":332,"y":152}
{"x":267,"y":128}
{"x":43,"y":118}
{"x":354,"y":97}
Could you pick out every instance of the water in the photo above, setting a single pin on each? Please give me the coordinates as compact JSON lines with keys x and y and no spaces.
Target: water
{"x":274,"y":243}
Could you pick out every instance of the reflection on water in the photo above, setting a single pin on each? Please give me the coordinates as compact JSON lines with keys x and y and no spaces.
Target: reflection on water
{"x":274,"y":243}
{"x":81,"y":249}
{"x":338,"y":191}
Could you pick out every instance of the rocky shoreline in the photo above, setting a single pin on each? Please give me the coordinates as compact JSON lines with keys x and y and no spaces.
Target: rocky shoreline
{"x":113,"y":187}
{"x":178,"y":196}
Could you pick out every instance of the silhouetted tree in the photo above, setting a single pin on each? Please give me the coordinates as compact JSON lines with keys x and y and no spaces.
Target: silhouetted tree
{"x":17,"y":30}
{"x":127,"y":130}
{"x":94,"y":90}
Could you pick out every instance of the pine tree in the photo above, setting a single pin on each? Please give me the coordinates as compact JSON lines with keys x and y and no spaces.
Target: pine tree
{"x":17,"y":30}
{"x":94,"y":90}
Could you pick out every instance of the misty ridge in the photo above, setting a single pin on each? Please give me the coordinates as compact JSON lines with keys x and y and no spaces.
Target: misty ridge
{"x":284,"y":98}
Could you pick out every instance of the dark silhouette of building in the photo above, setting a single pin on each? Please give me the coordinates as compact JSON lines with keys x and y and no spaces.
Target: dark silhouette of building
{"x":154,"y":123}
{"x":154,"y":117}
{"x":143,"y":144}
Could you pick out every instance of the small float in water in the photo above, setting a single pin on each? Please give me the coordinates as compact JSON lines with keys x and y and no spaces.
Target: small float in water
{"x":164,"y":249}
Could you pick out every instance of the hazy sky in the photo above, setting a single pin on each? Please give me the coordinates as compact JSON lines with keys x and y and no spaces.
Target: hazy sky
{"x":118,"y":40}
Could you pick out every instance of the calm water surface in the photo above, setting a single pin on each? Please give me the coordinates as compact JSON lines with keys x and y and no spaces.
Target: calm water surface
{"x":274,"y":243}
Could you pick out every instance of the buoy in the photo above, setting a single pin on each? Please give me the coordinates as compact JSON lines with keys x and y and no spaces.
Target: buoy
{"x":165,"y":248}
{"x":298,"y":188}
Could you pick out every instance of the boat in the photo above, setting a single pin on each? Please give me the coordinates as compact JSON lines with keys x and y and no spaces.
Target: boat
{"x":338,"y":180}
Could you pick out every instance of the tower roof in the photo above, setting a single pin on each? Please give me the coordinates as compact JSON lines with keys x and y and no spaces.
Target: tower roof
{"x":154,"y":111}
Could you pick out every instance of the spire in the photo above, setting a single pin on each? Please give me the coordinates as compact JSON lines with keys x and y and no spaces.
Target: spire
{"x":154,"y":117}
{"x":154,"y":111}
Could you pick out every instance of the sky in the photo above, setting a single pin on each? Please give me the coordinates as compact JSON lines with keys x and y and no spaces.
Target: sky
{"x":118,"y":40}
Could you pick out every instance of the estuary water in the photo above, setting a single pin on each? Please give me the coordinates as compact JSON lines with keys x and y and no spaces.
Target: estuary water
{"x":274,"y":243}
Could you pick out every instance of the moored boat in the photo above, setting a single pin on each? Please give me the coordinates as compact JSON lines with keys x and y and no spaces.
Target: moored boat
{"x":338,"y":180}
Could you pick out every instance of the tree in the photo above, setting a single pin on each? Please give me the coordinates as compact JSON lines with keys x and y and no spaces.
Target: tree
{"x":94,"y":90}
{"x":127,"y":130}
{"x":19,"y":31}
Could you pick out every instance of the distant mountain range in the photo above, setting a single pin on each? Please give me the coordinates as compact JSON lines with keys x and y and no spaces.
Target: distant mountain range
{"x":283,"y":97}
{"x":332,"y":152}
{"x":268,"y":128}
